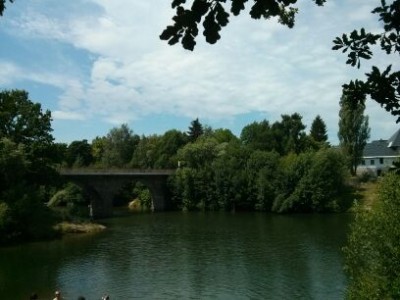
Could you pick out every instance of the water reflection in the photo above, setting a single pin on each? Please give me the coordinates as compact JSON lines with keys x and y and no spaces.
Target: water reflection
{"x":187,"y":256}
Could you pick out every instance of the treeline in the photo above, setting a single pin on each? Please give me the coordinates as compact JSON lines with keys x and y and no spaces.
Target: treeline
{"x":271,"y":167}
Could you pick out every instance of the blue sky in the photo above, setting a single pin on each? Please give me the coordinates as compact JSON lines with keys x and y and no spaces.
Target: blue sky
{"x":97,"y":64}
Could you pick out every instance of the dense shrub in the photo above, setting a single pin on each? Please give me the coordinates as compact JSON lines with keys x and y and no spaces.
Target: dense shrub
{"x":373,"y":248}
{"x":69,"y":202}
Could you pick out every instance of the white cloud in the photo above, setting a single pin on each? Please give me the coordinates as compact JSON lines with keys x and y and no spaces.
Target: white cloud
{"x":67,"y":115}
{"x":8,"y":72}
{"x":257,"y":66}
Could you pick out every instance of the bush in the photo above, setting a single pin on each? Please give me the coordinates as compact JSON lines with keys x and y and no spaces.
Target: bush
{"x":373,"y":248}
{"x":69,"y":202}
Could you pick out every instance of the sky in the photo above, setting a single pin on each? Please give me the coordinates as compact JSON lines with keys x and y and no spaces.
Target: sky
{"x":97,"y":64}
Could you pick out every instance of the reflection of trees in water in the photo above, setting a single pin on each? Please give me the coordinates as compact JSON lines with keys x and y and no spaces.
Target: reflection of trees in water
{"x":170,"y":255}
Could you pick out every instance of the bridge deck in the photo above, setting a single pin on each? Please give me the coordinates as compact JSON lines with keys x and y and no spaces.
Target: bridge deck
{"x":116,"y":172}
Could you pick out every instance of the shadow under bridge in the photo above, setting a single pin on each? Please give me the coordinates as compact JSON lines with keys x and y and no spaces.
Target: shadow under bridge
{"x":102,"y":186}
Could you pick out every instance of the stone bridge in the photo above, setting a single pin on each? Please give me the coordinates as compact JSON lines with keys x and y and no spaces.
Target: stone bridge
{"x":102,"y":185}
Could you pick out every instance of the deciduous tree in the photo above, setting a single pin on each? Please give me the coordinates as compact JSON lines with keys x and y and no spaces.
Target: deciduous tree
{"x":79,"y":154}
{"x":353,"y":130}
{"x":119,"y":146}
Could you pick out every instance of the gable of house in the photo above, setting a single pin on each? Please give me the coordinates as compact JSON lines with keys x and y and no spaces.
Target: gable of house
{"x":394,"y":141}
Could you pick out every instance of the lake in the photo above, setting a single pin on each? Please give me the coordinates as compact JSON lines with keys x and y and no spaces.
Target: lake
{"x":174,"y":255}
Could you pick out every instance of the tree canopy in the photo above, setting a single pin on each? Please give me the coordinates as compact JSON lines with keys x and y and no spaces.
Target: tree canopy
{"x":353,"y":130}
{"x":27,"y":153}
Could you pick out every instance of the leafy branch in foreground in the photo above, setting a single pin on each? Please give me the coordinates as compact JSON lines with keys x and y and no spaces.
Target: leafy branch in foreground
{"x":3,"y":5}
{"x":214,"y":15}
{"x":381,"y":86}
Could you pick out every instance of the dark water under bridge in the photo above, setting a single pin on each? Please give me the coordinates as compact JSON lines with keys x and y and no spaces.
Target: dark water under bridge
{"x":103,"y":184}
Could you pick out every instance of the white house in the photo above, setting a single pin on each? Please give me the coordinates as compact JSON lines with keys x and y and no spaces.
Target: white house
{"x":378,"y":156}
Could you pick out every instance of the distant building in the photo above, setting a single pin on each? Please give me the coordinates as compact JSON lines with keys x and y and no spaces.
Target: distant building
{"x":378,"y":156}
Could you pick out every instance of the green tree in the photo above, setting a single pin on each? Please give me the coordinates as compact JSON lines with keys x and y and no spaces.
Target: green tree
{"x":289,"y":134}
{"x":167,"y":148}
{"x":98,"y":145}
{"x":195,"y":130}
{"x":23,"y":121}
{"x":373,"y":246}
{"x":318,"y":130}
{"x":23,"y":215}
{"x":198,"y":154}
{"x":79,"y":154}
{"x":263,"y":173}
{"x":224,"y":135}
{"x":144,"y":156}
{"x":230,"y":178}
{"x":215,"y":16}
{"x":119,"y":146}
{"x":353,"y":130}
{"x":311,"y":182}
{"x":27,"y":156}
{"x":258,"y":136}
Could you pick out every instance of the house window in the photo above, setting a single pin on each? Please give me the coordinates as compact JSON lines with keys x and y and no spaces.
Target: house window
{"x":381,"y":161}
{"x":372,"y":162}
{"x":363,"y":162}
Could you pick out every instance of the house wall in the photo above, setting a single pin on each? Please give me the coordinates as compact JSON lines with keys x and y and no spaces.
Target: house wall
{"x":375,"y":165}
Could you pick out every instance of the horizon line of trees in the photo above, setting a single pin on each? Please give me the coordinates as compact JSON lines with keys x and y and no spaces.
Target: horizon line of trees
{"x":121,"y":147}
{"x":271,"y":167}
{"x":244,"y":171}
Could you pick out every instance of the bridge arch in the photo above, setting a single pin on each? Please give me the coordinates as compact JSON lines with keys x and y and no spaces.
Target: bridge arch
{"x":102,"y":185}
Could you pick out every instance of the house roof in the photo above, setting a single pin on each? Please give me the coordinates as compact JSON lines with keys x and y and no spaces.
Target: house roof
{"x":378,"y":148}
{"x":394,"y":140}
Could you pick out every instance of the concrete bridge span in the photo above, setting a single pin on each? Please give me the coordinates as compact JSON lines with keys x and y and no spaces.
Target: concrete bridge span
{"x":102,"y":186}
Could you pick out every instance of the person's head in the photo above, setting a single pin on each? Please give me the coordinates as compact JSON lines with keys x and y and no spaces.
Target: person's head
{"x":106,"y":297}
{"x":57,"y":294}
{"x":34,"y":296}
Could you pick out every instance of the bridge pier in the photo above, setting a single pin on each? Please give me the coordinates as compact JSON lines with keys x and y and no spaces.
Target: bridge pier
{"x":158,"y":191}
{"x":102,"y":194}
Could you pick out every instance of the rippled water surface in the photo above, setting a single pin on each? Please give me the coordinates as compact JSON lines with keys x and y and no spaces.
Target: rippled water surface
{"x":186,"y":256}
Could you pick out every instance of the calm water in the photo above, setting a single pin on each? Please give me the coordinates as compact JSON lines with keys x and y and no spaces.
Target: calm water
{"x":186,"y":256}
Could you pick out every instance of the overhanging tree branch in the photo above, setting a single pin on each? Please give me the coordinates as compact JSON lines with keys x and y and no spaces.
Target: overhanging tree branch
{"x":214,"y":15}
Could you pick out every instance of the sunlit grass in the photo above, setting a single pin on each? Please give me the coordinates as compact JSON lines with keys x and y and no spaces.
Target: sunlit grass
{"x":66,"y":227}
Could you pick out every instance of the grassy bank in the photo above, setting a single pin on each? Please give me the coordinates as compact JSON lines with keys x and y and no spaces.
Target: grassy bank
{"x":366,"y":193}
{"x":66,"y":227}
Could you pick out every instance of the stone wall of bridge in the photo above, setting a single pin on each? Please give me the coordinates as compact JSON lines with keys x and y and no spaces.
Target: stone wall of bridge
{"x":102,"y":188}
